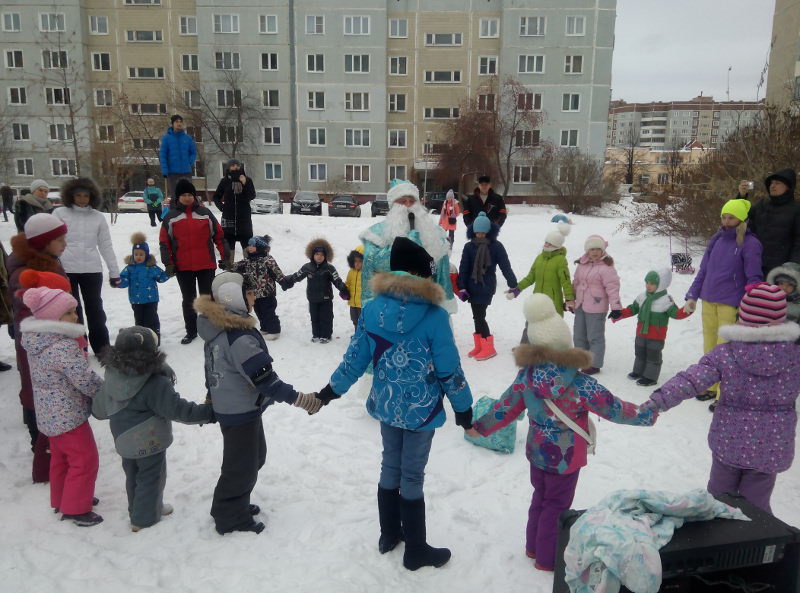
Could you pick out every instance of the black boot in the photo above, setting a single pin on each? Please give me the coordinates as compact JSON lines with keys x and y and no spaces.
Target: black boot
{"x":389,"y":517}
{"x":418,"y":553}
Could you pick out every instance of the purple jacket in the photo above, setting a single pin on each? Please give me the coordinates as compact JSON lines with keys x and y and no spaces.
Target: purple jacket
{"x":759,"y":375}
{"x":727,"y":268}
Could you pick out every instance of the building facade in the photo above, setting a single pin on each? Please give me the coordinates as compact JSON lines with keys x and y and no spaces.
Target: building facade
{"x":783,"y":78}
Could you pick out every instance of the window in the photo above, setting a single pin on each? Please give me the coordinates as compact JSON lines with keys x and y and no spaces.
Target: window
{"x":188,"y":25}
{"x":315,"y":63}
{"x":576,"y":26}
{"x":145,"y":143}
{"x":531,"y":64}
{"x":569,"y":137}
{"x":52,"y":22}
{"x":487,"y":65}
{"x":226,"y":60}
{"x":490,"y":28}
{"x":229,"y":98}
{"x":526,"y":138}
{"x":60,"y":132}
{"x":524,"y":174}
{"x":271,"y":98}
{"x":105,"y":133}
{"x":531,"y":26}
{"x":356,"y":172}
{"x":63,"y":167}
{"x":148,"y":108}
{"x":573,"y":64}
{"x":17,"y":96}
{"x":20,"y":131}
{"x":54,"y":59}
{"x":398,"y":65}
{"x":102,"y":98}
{"x":267,"y":24}
{"x":570,"y":102}
{"x":98,"y":25}
{"x":145,"y":72}
{"x":398,"y":28}
{"x":269,"y":61}
{"x":441,"y":112}
{"x":356,"y":25}
{"x":144,"y":36}
{"x":190,"y":63}
{"x":316,"y":136}
{"x":397,"y":102}
{"x":230,"y":134}
{"x":14,"y":58}
{"x":272,"y":135}
{"x":317,"y":172}
{"x":397,"y":139}
{"x":316,"y":99}
{"x":356,"y":63}
{"x":199,"y":168}
{"x":445,"y":39}
{"x":442,"y":76}
{"x":486,"y":102}
{"x":192,"y":99}
{"x":356,"y":101}
{"x":355,"y":138}
{"x":273,"y":171}
{"x":101,"y":61}
{"x":397,"y":171}
{"x":315,"y":25}
{"x":25,"y":167}
{"x":567,"y":174}
{"x":663,"y":178}
{"x":226,"y":23}
{"x":56,"y":96}
{"x":11,"y":22}
{"x":195,"y":132}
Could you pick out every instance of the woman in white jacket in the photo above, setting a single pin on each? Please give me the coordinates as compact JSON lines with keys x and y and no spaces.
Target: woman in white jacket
{"x":88,"y":238}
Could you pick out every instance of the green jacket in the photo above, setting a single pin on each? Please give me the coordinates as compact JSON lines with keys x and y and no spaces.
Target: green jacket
{"x":153,"y":196}
{"x":549,"y":275}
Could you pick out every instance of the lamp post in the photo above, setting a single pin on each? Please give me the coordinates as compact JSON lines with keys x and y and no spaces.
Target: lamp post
{"x":425,"y":183}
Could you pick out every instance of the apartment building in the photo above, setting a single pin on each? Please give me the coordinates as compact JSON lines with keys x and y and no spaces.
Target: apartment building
{"x":783,"y":78}
{"x":309,"y":95}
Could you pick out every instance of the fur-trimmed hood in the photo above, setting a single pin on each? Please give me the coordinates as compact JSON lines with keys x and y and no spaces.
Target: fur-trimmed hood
{"x":747,"y":346}
{"x":214,"y":318}
{"x":30,"y":257}
{"x":790,"y":269}
{"x":69,"y":187}
{"x":529,"y":355}
{"x":319,"y":242}
{"x":149,"y":262}
{"x":406,"y":285}
{"x":403,"y":301}
{"x":121,"y":386}
{"x":45,"y":332}
{"x":785,"y":332}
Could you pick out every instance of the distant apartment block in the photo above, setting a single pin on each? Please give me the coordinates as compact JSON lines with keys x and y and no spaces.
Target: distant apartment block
{"x":783,"y":80}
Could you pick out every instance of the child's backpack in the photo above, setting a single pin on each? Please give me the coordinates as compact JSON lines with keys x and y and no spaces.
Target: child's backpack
{"x":503,"y":440}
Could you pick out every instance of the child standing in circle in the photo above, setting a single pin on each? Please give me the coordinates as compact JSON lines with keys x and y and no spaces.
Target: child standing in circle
{"x":141,"y":276}
{"x":355,"y":260}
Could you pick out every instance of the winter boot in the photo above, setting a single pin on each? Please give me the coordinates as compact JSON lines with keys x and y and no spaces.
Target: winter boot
{"x":418,"y":553}
{"x":478,"y":344}
{"x":389,"y":517}
{"x":487,"y":349}
{"x":89,"y":519}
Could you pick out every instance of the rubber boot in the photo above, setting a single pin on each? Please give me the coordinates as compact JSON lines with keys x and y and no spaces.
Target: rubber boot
{"x":418,"y":553}
{"x":487,"y":349}
{"x":389,"y":517}
{"x":478,"y":345}
{"x":41,"y":460}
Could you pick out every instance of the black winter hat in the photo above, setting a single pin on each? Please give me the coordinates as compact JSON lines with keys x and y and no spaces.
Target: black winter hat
{"x":184,"y":186}
{"x":484,"y":179}
{"x":175,"y":118}
{"x":407,"y":256}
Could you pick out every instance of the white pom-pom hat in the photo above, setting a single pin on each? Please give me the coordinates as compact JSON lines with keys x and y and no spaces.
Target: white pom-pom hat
{"x":545,"y":325}
{"x":557,"y":235}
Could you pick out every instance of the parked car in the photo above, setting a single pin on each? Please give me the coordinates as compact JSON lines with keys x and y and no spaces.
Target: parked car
{"x":344,"y":206}
{"x":266,"y":202}
{"x":434,"y":201}
{"x":55,"y":197}
{"x":380,"y":205}
{"x":133,"y":201}
{"x":306,"y":202}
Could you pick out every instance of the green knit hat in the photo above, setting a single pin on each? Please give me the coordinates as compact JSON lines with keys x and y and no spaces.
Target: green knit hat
{"x":652,"y":277}
{"x":739,"y":208}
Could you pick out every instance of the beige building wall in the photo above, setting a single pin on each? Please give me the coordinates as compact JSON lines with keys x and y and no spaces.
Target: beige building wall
{"x":784,"y":60}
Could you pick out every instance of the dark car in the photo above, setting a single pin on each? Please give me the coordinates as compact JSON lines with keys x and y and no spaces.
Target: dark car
{"x":380,"y":205}
{"x":434,"y":201}
{"x":344,"y":206}
{"x":306,"y":202}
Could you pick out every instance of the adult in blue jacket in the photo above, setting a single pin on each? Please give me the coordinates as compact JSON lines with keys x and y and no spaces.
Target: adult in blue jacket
{"x":177,"y":155}
{"x":405,"y":333}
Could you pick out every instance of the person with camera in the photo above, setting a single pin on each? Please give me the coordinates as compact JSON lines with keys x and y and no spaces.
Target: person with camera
{"x":233,"y":196}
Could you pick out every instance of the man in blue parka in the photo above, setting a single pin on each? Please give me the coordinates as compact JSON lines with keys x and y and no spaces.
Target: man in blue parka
{"x":177,"y":155}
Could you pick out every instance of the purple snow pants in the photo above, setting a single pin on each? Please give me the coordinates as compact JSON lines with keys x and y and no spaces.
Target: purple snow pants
{"x":754,"y":485}
{"x":552,"y":495}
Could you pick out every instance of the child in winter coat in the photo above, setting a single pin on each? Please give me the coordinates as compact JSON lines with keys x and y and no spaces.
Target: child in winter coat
{"x":448,"y":216}
{"x":752,"y":434}
{"x":321,"y":275}
{"x":241,"y":384}
{"x":355,"y":260}
{"x":63,"y":385}
{"x":654,"y":307}
{"x":596,"y":285}
{"x":261,"y":271}
{"x":141,"y":276}
{"x":477,"y":279}
{"x":787,"y":278}
{"x":140,"y":401}
{"x":549,"y":380}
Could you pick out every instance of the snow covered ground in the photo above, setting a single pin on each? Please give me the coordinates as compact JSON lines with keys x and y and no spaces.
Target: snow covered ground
{"x":317,"y":490}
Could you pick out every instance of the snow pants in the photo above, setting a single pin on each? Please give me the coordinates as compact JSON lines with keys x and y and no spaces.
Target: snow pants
{"x":146,"y":315}
{"x":754,"y":485}
{"x":648,"y":357}
{"x":145,"y":478}
{"x":589,"y":333}
{"x":321,"y":319}
{"x":73,"y":470}
{"x":265,"y":311}
{"x":552,"y":495}
{"x":715,"y":315}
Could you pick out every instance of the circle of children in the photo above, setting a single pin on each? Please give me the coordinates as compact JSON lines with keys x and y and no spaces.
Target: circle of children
{"x":403,"y":279}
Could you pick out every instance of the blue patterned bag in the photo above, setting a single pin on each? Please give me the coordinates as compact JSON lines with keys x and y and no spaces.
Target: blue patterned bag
{"x":503,"y":440}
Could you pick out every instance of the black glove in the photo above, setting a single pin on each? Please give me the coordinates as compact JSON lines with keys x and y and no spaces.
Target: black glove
{"x":326,"y":394}
{"x":224,"y":264}
{"x":615,"y":314}
{"x":286,"y":284}
{"x":464,"y":419}
{"x":114,"y":282}
{"x":169,"y":270}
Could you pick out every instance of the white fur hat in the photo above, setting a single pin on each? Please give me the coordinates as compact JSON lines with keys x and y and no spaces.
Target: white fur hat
{"x":400,"y":189}
{"x":545,"y":326}
{"x":557,"y":235}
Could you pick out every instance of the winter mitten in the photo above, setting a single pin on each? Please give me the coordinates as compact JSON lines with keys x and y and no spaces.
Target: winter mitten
{"x":114,"y":282}
{"x":463,"y":295}
{"x":344,"y":295}
{"x":464,"y":419}
{"x":309,"y":402}
{"x":326,"y":394}
{"x":169,"y":270}
{"x":615,"y":314}
{"x":648,"y":406}
{"x":570,"y":306}
{"x":690,"y":306}
{"x":512,"y":293}
{"x":223,"y":264}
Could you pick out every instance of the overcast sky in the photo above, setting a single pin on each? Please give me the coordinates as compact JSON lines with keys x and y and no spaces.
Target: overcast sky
{"x":672,"y":50}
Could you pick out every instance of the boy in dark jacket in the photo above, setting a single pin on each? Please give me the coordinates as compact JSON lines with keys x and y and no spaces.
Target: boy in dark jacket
{"x":261,"y":271}
{"x":139,"y":399}
{"x":241,"y":384}
{"x":321,"y":275}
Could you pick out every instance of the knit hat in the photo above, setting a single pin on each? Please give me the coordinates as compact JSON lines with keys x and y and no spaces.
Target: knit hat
{"x":228,"y":290}
{"x":48,"y":303}
{"x":557,"y":235}
{"x":35,"y":279}
{"x":399,"y":188}
{"x":545,"y":326}
{"x":739,"y":208}
{"x":184,"y":186}
{"x":136,"y":338}
{"x":260,"y":243}
{"x":42,"y":228}
{"x":484,"y":179}
{"x":450,"y":194}
{"x":175,"y":118}
{"x":482,"y":223}
{"x":595,"y":242}
{"x":560,"y":218}
{"x":407,"y":256}
{"x":37,"y":183}
{"x":139,"y":241}
{"x":762,"y":304}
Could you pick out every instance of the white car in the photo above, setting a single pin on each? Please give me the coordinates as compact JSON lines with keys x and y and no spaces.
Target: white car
{"x":55,"y":197}
{"x":133,"y":201}
{"x":266,"y":202}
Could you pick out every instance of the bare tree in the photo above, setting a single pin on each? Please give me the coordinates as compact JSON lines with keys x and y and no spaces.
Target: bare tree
{"x":674,"y":162}
{"x":335,"y":186}
{"x":575,"y":179}
{"x":629,"y":164}
{"x":142,"y":124}
{"x":7,"y":150}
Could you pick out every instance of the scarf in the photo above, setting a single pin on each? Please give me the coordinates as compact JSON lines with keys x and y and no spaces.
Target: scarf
{"x":646,"y":308}
{"x":482,"y":259}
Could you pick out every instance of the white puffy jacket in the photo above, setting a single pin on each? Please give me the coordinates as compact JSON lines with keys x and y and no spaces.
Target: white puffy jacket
{"x":88,"y":238}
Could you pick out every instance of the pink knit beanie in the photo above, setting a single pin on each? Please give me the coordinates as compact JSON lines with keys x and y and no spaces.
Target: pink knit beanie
{"x":48,"y":303}
{"x":762,"y":304}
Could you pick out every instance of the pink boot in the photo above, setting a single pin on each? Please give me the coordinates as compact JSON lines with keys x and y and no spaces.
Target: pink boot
{"x":487,"y":349}
{"x":478,"y":345}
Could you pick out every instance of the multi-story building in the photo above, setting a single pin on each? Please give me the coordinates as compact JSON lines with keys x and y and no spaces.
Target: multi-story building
{"x":783,"y":79}
{"x":309,"y":95}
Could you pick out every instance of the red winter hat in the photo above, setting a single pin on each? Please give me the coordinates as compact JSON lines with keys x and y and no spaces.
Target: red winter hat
{"x":35,"y":279}
{"x":42,"y":228}
{"x":48,"y":303}
{"x":762,"y":304}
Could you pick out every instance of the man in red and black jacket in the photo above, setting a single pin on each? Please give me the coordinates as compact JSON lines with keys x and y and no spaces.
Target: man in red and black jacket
{"x":484,"y":199}
{"x":189,"y":235}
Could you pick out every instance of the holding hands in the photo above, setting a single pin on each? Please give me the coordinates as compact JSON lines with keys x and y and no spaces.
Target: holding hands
{"x":512,"y":293}
{"x":463,"y":295}
{"x":114,"y":282}
{"x":570,"y":306}
{"x":309,"y":402}
{"x":690,"y":306}
{"x":615,"y":314}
